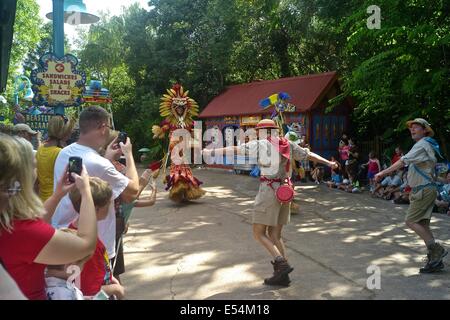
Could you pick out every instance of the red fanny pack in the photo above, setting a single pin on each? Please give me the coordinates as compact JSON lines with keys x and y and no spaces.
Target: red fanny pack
{"x":285,"y":192}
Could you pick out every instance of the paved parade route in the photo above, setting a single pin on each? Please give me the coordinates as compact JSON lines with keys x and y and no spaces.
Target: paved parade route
{"x":205,"y":250}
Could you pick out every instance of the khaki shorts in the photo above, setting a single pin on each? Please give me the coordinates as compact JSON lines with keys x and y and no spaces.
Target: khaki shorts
{"x":421,"y":205}
{"x":268,"y":210}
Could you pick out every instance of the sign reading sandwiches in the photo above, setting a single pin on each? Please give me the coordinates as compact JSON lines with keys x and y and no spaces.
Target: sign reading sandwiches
{"x":57,"y":82}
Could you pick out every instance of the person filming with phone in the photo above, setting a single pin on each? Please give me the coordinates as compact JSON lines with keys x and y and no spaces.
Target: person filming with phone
{"x":28,"y":244}
{"x":94,"y":123}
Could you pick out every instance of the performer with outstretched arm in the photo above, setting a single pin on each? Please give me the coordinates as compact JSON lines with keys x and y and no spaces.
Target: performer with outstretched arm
{"x":271,"y":212}
{"x":421,"y":160}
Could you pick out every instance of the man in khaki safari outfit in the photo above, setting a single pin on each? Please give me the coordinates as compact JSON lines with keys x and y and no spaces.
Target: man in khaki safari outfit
{"x":270,"y":215}
{"x":421,"y":160}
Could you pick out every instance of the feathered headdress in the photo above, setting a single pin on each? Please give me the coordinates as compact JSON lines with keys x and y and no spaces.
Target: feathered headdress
{"x":178,"y":108}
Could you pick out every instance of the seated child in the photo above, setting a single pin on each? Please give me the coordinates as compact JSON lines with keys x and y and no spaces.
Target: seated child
{"x":96,"y":274}
{"x":335,"y":181}
{"x":355,"y":187}
{"x":402,"y":196}
{"x":387,"y":186}
{"x":345,"y":185}
{"x":317,"y":173}
{"x":393,"y":186}
{"x":443,"y":199}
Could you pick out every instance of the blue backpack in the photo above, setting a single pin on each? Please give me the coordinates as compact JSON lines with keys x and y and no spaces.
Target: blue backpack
{"x":435,"y":146}
{"x":431,"y":182}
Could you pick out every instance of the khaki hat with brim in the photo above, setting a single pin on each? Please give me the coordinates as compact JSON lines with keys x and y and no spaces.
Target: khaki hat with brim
{"x":424,"y":123}
{"x":266,"y":124}
{"x":22,"y":127}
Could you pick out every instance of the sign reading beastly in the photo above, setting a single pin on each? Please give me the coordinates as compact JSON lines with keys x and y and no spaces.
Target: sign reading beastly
{"x":57,"y":82}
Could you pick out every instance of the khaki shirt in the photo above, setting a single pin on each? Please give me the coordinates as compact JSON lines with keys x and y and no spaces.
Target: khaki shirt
{"x":271,"y":163}
{"x":421,"y":155}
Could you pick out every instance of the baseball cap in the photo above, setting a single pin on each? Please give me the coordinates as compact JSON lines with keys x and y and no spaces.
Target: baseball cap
{"x":20,"y":127}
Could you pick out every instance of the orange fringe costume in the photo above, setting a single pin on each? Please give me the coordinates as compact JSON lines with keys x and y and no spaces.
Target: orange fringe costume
{"x":178,"y":110}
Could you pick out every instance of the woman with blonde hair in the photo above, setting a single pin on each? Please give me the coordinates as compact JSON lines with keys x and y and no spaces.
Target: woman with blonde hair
{"x":27,"y":243}
{"x":59,"y":130}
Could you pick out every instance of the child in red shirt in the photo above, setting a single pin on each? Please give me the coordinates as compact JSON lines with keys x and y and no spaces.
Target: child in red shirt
{"x":96,"y":274}
{"x":373,"y":167}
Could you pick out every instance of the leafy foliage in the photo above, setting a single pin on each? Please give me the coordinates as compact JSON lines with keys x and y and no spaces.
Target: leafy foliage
{"x":394,"y":73}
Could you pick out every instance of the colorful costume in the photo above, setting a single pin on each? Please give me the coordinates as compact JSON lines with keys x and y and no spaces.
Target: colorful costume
{"x":178,"y":110}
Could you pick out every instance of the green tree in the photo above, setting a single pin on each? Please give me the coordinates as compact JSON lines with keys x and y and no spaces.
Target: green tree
{"x":27,"y":34}
{"x":31,"y":61}
{"x":402,"y":70}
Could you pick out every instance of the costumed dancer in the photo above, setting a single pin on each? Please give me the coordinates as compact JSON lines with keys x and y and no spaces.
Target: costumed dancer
{"x":280,"y":105}
{"x":178,"y":110}
{"x":272,"y":207}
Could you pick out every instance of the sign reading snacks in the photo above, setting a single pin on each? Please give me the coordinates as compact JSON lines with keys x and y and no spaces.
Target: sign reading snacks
{"x":57,"y":82}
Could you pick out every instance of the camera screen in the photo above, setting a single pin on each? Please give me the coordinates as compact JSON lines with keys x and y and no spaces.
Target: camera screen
{"x":74,"y":166}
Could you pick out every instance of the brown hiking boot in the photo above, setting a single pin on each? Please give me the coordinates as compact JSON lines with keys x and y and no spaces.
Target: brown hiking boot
{"x":281,"y":266}
{"x":437,"y":253}
{"x":275,"y":280}
{"x":428,"y":268}
{"x":281,"y":270}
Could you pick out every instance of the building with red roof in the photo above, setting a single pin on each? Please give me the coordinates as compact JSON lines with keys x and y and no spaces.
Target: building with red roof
{"x":238,"y":107}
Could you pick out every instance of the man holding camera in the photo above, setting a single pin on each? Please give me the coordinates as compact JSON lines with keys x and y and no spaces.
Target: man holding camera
{"x":94,"y":132}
